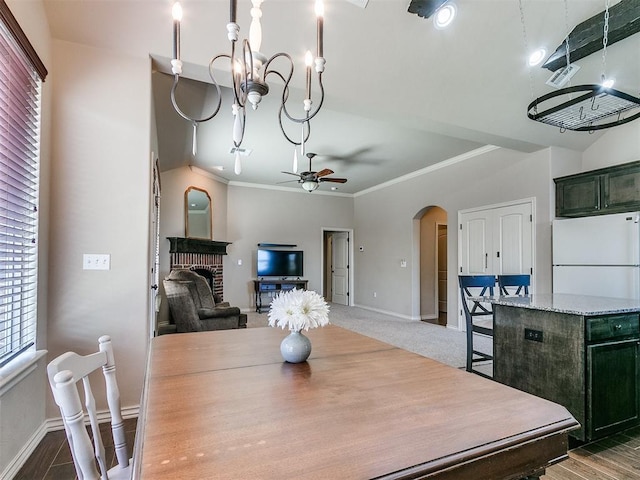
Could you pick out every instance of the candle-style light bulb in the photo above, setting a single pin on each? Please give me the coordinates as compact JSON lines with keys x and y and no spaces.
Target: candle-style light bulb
{"x":176,"y":12}
{"x":320,"y":15}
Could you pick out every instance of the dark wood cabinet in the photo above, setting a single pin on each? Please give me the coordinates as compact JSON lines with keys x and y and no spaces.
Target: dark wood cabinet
{"x":588,"y":364}
{"x":612,"y":385}
{"x":598,"y":192}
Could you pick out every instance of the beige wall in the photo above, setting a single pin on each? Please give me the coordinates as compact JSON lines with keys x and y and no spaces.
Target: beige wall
{"x":270,"y":215}
{"x":428,"y":263}
{"x":100,"y":177}
{"x":618,"y":145}
{"x":174,"y":183}
{"x":384,"y":223}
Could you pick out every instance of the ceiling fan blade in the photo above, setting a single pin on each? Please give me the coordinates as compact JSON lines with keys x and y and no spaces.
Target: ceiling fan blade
{"x":324,"y":172}
{"x":333,"y":179}
{"x":291,"y":173}
{"x":289,"y":181}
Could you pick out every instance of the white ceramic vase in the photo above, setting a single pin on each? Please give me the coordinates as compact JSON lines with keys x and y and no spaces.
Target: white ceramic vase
{"x":295,"y":347}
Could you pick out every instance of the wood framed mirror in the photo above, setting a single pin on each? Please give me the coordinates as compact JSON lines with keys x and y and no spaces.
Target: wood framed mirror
{"x":197,"y":214}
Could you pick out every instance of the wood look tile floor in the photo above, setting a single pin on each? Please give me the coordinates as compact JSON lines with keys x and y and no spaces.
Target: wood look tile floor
{"x":613,"y":458}
{"x":51,"y":459}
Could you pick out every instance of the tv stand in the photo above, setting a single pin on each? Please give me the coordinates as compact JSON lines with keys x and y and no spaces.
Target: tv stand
{"x":271,"y":287}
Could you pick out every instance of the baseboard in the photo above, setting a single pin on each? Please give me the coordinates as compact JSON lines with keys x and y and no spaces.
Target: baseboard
{"x":25,"y":452}
{"x":53,"y":425}
{"x":386,"y":312}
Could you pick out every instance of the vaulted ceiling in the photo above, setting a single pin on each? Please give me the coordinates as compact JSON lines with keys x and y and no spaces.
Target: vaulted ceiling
{"x":401,"y":95}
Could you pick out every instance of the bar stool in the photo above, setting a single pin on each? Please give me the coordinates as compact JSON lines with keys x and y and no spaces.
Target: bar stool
{"x":520,"y":283}
{"x":478,"y":314}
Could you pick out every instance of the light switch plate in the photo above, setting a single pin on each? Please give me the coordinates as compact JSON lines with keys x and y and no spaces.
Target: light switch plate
{"x":96,"y":261}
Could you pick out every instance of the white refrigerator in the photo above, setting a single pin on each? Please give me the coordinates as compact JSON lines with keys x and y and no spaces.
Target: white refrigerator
{"x":597,"y":255}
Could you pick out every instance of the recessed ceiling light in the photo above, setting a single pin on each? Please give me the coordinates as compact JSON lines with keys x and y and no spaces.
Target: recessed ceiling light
{"x":536,"y":57}
{"x":608,"y":83}
{"x":445,"y":15}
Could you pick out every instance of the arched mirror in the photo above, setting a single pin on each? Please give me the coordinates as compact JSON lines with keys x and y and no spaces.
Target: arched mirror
{"x":197,"y":213}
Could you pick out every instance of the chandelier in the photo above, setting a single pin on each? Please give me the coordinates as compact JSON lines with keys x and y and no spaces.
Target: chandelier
{"x":249,"y":72}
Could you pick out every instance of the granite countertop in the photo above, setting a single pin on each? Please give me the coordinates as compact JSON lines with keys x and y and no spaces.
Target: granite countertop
{"x":572,"y":304}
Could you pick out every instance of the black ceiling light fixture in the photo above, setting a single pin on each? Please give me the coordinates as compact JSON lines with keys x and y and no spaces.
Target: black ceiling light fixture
{"x":586,"y":108}
{"x":444,"y":10}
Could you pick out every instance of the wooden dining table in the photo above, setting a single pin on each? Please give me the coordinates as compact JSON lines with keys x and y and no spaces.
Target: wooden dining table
{"x":224,"y":405}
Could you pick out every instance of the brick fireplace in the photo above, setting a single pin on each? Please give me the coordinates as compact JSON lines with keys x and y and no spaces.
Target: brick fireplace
{"x":201,"y":256}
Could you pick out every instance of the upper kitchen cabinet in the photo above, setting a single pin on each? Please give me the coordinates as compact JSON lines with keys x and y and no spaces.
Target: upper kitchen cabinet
{"x":598,"y":192}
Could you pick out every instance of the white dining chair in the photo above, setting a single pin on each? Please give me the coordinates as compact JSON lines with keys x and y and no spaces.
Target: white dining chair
{"x":64,"y":373}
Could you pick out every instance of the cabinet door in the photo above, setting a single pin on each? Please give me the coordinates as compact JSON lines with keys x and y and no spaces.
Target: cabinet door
{"x":613,"y":393}
{"x":621,"y":190}
{"x":578,"y":196}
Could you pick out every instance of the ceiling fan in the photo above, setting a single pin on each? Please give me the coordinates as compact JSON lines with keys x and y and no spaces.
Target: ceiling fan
{"x":311,"y":180}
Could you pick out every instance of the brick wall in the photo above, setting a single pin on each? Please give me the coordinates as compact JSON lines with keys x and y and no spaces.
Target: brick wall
{"x":204,"y":261}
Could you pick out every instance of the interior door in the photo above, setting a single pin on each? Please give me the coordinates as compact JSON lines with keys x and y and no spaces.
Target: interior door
{"x":340,"y":268}
{"x":496,"y":240}
{"x":512,"y":240}
{"x":476,"y":242}
{"x":442,"y":273}
{"x":154,"y":294}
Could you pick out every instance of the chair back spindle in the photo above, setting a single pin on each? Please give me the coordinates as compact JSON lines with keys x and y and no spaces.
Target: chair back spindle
{"x":65,"y":373}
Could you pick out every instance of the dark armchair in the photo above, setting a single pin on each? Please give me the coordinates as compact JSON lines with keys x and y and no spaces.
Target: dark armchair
{"x":193,"y":306}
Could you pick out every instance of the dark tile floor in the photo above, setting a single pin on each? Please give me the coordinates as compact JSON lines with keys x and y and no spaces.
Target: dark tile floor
{"x":51,"y":459}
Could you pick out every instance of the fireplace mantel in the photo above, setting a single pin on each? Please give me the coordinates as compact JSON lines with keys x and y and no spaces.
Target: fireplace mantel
{"x":197,"y":245}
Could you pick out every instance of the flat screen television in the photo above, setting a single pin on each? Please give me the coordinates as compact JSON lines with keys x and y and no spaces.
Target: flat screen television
{"x":279,"y":263}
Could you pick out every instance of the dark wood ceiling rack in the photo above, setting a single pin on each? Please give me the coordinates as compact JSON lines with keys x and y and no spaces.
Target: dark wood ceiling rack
{"x":586,"y":38}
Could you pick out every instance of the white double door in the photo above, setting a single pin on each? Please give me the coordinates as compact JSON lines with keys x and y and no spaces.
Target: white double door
{"x":496,"y":240}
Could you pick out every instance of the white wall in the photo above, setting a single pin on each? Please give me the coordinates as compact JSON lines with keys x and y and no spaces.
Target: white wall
{"x":100,"y":178}
{"x":296,"y":217}
{"x":619,"y":145}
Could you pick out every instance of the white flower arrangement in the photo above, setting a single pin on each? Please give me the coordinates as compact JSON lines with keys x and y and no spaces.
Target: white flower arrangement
{"x":298,"y":310}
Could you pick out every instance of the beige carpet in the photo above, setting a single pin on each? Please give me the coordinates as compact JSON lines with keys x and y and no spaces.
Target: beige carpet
{"x":440,"y":343}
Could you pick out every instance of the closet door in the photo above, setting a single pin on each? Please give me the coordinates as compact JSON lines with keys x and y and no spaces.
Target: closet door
{"x":476,"y":243}
{"x":495,"y":240}
{"x":512,"y":240}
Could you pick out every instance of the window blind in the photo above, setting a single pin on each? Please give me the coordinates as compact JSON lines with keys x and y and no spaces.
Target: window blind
{"x":20,"y":92}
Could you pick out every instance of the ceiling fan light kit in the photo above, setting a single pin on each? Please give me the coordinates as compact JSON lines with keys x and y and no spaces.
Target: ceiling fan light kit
{"x":249,"y":72}
{"x":310,"y":185}
{"x":311,"y":180}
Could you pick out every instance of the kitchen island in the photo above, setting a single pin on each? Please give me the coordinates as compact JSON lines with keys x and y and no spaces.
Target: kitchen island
{"x":579,"y":351}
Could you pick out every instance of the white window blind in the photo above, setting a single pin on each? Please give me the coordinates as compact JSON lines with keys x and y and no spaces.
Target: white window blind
{"x":20,"y":89}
